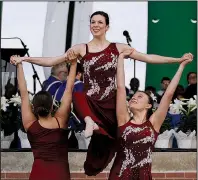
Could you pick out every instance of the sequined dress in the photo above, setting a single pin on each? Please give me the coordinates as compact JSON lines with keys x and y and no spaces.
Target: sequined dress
{"x":99,"y":102}
{"x":133,"y":159}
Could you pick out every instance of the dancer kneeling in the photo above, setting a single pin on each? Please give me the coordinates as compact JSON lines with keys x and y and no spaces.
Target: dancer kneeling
{"x":48,"y":136}
{"x":138,"y":134}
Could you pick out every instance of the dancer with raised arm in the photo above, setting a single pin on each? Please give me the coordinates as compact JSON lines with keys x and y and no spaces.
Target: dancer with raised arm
{"x":138,"y":134}
{"x":97,"y":104}
{"x":48,"y":136}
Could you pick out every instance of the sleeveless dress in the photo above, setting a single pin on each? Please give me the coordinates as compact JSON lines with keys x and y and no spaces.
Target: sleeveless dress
{"x":133,"y":159}
{"x":49,"y":147}
{"x":98,"y":100}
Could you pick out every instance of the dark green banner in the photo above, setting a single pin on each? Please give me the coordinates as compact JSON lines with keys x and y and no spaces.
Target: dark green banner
{"x":172,"y":31}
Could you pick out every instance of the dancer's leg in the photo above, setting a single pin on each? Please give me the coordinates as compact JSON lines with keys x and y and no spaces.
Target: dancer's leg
{"x":90,"y":126}
{"x":85,"y":113}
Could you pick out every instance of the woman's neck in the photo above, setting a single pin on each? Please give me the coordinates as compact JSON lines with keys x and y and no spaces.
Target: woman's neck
{"x":139,"y":117}
{"x":101,"y":42}
{"x":43,"y":119}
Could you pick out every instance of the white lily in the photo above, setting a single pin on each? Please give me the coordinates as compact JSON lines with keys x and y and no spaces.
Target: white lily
{"x":153,"y":97}
{"x":4,"y":103}
{"x":30,"y":97}
{"x":16,"y":100}
{"x":195,"y":97}
{"x":192,"y":104}
{"x":177,"y":107}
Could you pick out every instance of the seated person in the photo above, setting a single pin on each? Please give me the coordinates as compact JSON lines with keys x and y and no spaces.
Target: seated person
{"x":179,"y":93}
{"x":58,"y":75}
{"x":192,"y":78}
{"x":190,"y":91}
{"x":134,"y":86}
{"x":164,"y":84}
{"x":78,"y":85}
{"x":74,"y":122}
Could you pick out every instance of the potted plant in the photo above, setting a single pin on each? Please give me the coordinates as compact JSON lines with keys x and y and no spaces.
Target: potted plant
{"x":186,"y":131}
{"x":165,"y":138}
{"x":8,"y":123}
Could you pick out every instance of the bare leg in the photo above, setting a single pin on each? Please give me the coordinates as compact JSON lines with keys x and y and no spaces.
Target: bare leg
{"x":90,"y":126}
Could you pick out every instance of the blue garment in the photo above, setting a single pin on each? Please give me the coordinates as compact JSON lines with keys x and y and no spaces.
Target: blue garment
{"x":59,"y":93}
{"x":78,"y":87}
{"x":51,"y":85}
{"x":74,"y":123}
{"x":175,"y":120}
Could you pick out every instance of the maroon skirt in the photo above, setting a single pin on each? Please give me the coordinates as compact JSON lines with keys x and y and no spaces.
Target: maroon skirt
{"x":101,"y":149}
{"x":49,"y":170}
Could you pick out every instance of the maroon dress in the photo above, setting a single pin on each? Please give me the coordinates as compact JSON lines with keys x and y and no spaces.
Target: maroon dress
{"x":99,"y":102}
{"x":49,"y":147}
{"x":133,"y":159}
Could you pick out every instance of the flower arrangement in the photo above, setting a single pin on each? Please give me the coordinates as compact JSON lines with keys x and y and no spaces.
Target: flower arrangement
{"x":178,"y":107}
{"x":10,"y":114}
{"x":15,"y":103}
{"x":11,"y":119}
{"x":186,"y":111}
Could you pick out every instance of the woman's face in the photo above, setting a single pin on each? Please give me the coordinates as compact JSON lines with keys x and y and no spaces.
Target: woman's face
{"x":98,"y":26}
{"x":139,"y":101}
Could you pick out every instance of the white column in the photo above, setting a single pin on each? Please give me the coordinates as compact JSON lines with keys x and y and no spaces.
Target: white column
{"x":55,"y":31}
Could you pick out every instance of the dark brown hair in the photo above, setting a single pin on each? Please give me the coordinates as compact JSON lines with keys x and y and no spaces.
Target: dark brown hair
{"x":150,"y":101}
{"x":104,"y":14}
{"x":42,"y":103}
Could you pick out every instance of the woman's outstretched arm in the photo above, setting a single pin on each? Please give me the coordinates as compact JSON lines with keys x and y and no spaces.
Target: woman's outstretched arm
{"x":46,"y":61}
{"x":152,"y":58}
{"x":159,"y":116}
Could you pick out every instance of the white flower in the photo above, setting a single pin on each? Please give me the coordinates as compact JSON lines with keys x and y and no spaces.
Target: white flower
{"x":195,"y":97}
{"x":16,"y":99}
{"x":153,"y":97}
{"x":177,"y":107}
{"x":4,"y":103}
{"x":192,"y":104}
{"x":30,"y":97}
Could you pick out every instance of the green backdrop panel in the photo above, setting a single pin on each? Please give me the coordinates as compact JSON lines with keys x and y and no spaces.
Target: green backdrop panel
{"x":173,"y":35}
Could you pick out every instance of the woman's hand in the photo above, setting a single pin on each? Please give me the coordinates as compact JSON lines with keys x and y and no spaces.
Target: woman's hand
{"x":188,"y":60}
{"x":186,"y":56}
{"x":71,"y":55}
{"x":16,"y":59}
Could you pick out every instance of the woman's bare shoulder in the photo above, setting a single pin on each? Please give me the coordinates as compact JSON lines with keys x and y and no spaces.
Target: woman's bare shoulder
{"x":80,"y":49}
{"x":121,"y":47}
